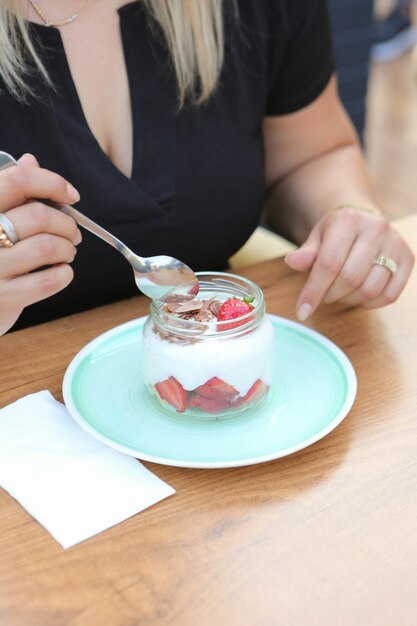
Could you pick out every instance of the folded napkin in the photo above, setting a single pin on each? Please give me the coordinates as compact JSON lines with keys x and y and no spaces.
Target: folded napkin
{"x":72,"y":484}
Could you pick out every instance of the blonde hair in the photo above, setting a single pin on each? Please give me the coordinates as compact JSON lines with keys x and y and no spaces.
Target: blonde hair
{"x":193,"y":31}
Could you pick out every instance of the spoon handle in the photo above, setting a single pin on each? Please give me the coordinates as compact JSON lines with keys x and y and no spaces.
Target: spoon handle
{"x":90,"y":225}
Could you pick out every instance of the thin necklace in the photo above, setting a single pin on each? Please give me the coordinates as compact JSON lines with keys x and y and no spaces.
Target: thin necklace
{"x":47,"y":22}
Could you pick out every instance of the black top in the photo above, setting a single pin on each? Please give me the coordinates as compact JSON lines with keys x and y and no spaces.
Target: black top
{"x":197,"y":185}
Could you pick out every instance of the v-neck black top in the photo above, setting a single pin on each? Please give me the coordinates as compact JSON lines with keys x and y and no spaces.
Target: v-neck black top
{"x":197,"y":185}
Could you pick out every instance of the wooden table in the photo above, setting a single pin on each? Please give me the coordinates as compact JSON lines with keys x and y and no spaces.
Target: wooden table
{"x":324,"y":537}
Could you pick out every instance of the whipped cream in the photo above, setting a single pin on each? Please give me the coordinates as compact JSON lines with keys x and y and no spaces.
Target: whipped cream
{"x":238,"y":361}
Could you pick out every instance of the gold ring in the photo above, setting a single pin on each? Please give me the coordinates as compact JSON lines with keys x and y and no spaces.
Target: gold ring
{"x":386,"y":261}
{"x":8,"y":236}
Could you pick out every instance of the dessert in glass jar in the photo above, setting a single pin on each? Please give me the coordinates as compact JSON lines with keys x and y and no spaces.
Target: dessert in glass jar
{"x":212,"y":355}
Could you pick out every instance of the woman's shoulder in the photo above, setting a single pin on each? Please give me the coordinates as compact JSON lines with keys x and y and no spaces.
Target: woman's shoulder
{"x":275,"y":16}
{"x":292,"y":39}
{"x":262,"y":14}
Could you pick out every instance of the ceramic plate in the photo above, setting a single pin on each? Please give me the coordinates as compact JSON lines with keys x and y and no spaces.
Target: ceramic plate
{"x":313,"y":390}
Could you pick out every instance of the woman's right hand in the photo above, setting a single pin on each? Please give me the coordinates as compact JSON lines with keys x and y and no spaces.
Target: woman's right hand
{"x":46,"y":237}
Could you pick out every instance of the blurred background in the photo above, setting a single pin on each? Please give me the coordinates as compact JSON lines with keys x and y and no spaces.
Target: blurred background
{"x":381,"y":97}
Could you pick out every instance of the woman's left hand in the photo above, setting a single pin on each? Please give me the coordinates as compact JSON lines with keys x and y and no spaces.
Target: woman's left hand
{"x":339,"y":254}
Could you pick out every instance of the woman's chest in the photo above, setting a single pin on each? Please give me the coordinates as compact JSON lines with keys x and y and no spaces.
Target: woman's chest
{"x":96,"y":61}
{"x":204,"y":160}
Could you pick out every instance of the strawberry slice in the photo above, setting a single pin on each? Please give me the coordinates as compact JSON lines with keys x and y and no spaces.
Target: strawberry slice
{"x":172,"y":392}
{"x":255,"y":393}
{"x":233,"y":308}
{"x":209,"y":405}
{"x":216,"y":389}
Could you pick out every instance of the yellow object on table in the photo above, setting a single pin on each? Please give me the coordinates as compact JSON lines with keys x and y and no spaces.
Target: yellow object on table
{"x":261,"y":246}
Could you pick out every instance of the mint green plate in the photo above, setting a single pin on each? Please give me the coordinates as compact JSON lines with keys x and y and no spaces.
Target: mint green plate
{"x":314,"y":389}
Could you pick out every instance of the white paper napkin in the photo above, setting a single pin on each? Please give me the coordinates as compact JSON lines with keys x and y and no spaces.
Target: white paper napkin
{"x":72,"y":484}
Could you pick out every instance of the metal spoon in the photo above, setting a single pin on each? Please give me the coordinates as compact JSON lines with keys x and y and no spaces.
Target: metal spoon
{"x":155,"y":276}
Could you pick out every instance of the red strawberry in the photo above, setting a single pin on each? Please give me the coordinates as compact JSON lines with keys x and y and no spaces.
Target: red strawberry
{"x":217,"y":389}
{"x":233,"y":308}
{"x":255,"y":393}
{"x":209,"y":405}
{"x":172,"y":392}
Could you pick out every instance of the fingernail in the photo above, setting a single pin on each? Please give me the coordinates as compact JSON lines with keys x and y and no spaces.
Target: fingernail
{"x":78,"y":238}
{"x":27,"y":156}
{"x":290,"y":253}
{"x":304,"y":312}
{"x":73,"y":194}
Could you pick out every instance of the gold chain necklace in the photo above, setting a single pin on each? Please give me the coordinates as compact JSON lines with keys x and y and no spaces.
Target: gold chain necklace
{"x":68,"y":20}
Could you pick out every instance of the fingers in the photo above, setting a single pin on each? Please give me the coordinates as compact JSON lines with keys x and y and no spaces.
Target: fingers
{"x":343,"y":270}
{"x":369,"y":297}
{"x":34,"y":217}
{"x":23,"y":182}
{"x":358,"y":265}
{"x":35,"y":252}
{"x":302,"y":259}
{"x":371,"y":288}
{"x":335,"y":248}
{"x":29,"y":160}
{"x":46,"y":237}
{"x":356,"y":271}
{"x":17,"y":293}
{"x":378,"y":278}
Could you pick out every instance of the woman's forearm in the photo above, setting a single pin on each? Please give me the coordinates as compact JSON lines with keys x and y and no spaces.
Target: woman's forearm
{"x":314,"y":163}
{"x":296,"y":203}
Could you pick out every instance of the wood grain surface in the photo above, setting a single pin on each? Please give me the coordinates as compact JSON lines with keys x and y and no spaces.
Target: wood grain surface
{"x":324,"y":537}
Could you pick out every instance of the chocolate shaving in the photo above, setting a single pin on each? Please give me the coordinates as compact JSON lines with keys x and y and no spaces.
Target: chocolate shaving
{"x":190,"y":305}
{"x":204,"y":316}
{"x":214,"y":307}
{"x":206,"y":303}
{"x":187,"y":316}
{"x":173,"y":338}
{"x":203,"y":311}
{"x":172,"y":307}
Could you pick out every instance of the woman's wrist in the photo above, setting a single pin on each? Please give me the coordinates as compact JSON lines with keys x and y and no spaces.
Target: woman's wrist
{"x":361,"y":207}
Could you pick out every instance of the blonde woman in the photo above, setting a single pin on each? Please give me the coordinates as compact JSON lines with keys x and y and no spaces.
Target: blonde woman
{"x":170,"y":121}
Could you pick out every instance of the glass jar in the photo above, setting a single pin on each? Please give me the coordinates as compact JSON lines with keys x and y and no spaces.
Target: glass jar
{"x":211,"y":368}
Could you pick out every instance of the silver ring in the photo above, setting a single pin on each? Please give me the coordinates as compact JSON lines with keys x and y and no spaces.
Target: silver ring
{"x":386,"y":261}
{"x":8,"y":229}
